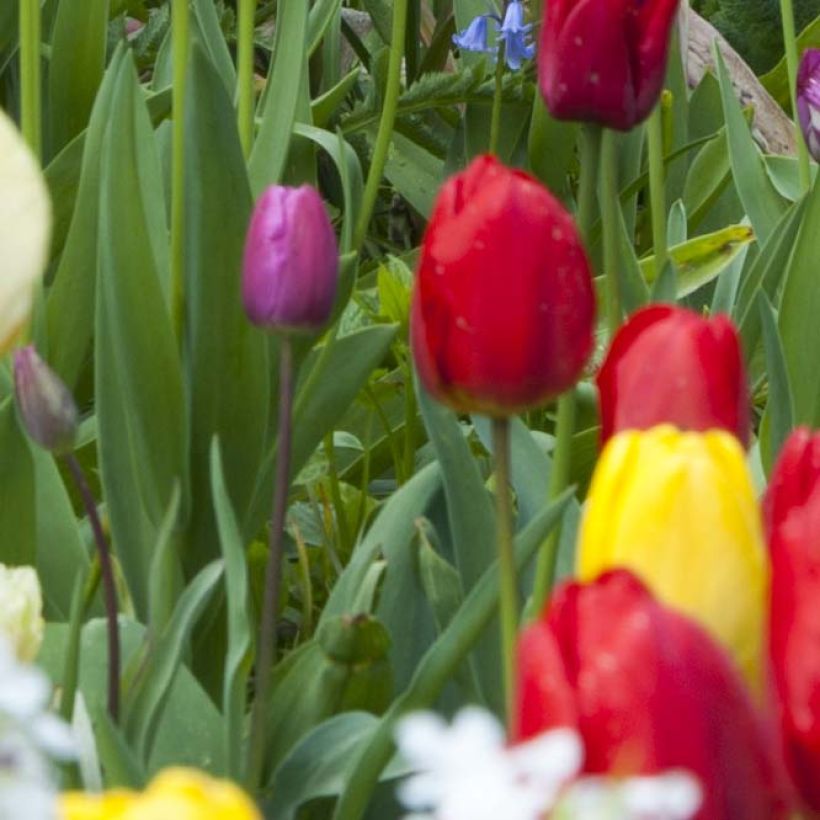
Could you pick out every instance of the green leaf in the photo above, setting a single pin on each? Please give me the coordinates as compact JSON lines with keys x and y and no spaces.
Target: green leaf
{"x":18,"y":521}
{"x":763,"y":204}
{"x":209,"y":29}
{"x":776,"y":81}
{"x":414,"y":171}
{"x":77,"y":62}
{"x":321,"y":16}
{"x":551,"y":148}
{"x":239,"y":657}
{"x":227,"y":357}
{"x":120,"y":763}
{"x":141,"y":426}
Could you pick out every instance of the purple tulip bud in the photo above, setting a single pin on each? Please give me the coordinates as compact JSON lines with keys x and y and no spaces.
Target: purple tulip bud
{"x":808,"y":99}
{"x":291,"y":261}
{"x":46,"y":406}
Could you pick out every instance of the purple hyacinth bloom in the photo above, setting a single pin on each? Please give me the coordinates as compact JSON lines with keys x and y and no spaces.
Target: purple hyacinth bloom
{"x":474,"y":37}
{"x":808,"y":100}
{"x":45,"y":404}
{"x":291,"y":263}
{"x":516,"y":34}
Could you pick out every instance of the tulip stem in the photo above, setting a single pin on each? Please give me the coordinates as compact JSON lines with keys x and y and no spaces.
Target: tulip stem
{"x":657,"y":187}
{"x":610,"y":219}
{"x":589,"y":149}
{"x":790,"y":44}
{"x":388,"y":118}
{"x":266,"y":648}
{"x":109,"y":585}
{"x":244,"y":73}
{"x":495,"y":118}
{"x":508,"y":604}
{"x":180,"y":27}
{"x":30,"y":108}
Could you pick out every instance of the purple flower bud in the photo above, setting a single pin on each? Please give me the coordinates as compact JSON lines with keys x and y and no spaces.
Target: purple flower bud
{"x":808,"y":100}
{"x":291,"y":261}
{"x":46,"y":406}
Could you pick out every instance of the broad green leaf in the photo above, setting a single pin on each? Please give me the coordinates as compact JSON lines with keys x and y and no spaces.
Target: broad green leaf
{"x":209,"y":29}
{"x":141,"y":426}
{"x":776,"y":80}
{"x":700,"y":260}
{"x":785,"y":175}
{"x":18,"y":499}
{"x":227,"y":357}
{"x":414,"y":171}
{"x":78,"y":44}
{"x":709,"y":175}
{"x":551,"y":148}
{"x":119,"y":761}
{"x":762,"y":202}
{"x":321,"y":16}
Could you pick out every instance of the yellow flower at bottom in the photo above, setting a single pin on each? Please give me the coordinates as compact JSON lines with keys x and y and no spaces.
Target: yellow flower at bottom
{"x":679,"y":510}
{"x":174,"y":794}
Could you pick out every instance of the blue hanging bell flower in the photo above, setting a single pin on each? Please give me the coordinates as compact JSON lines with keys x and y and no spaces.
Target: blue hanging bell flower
{"x":474,"y":37}
{"x":516,"y":35}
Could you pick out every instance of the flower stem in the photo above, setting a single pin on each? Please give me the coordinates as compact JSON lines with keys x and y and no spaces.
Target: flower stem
{"x":610,"y":219}
{"x":266,"y":649}
{"x":388,"y":118}
{"x":109,"y":586}
{"x":508,"y":605}
{"x":790,"y":44}
{"x":495,"y":119}
{"x":657,"y":187}
{"x":244,"y":73}
{"x":30,"y":104}
{"x":180,"y":28}
{"x":589,"y":147}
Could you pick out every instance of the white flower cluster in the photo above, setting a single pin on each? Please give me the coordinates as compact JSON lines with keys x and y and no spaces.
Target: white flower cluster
{"x":466,"y":771}
{"x":30,"y":737}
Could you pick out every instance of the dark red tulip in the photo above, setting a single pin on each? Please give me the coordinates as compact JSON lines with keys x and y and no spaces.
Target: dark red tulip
{"x":794,"y":477}
{"x":604,"y":61}
{"x":648,"y":690}
{"x":503,"y":307}
{"x":793,"y":516}
{"x":671,"y":365}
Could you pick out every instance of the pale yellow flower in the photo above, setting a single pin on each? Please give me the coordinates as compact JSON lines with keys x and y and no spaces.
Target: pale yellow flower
{"x":21,"y":611}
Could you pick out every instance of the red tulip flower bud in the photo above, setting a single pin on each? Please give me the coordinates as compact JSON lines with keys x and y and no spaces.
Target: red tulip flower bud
{"x":604,"y":61}
{"x":46,"y":406}
{"x":648,"y":690}
{"x":503,"y":308}
{"x":671,"y":365}
{"x":291,"y":263}
{"x":794,"y":477}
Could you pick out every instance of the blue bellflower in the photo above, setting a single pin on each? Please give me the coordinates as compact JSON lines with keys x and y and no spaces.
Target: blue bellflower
{"x":513,"y":31}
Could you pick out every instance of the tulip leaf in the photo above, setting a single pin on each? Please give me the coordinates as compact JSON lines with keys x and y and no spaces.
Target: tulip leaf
{"x":320,"y":17}
{"x":702,"y":259}
{"x":18,"y":516}
{"x":762,"y":202}
{"x":776,"y":80}
{"x":780,"y":406}
{"x":709,"y":176}
{"x":551,"y":148}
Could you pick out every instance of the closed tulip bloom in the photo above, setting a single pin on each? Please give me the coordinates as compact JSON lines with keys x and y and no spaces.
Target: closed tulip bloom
{"x":648,"y":690}
{"x":808,"y":99}
{"x":604,"y":61}
{"x":668,"y":364}
{"x":503,"y":307}
{"x":679,"y":510}
{"x":291,"y":262}
{"x":21,"y":611}
{"x":794,"y":477}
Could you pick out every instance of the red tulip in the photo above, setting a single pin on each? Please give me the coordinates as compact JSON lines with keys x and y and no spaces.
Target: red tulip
{"x":648,"y":690}
{"x":793,"y":516}
{"x":671,"y":365}
{"x":794,"y":477}
{"x":604,"y":61}
{"x":503,"y":309}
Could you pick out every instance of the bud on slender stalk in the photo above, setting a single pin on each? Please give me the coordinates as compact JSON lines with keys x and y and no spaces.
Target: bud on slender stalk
{"x":808,"y":100}
{"x":46,"y":406}
{"x":291,"y":262}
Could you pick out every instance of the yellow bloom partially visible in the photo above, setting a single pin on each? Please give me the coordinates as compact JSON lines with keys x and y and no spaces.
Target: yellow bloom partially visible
{"x":21,"y":611}
{"x":174,"y":794}
{"x":25,"y":228}
{"x":679,"y":510}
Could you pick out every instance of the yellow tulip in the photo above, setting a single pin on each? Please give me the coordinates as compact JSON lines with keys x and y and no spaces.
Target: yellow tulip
{"x":181,"y":794}
{"x":679,"y":510}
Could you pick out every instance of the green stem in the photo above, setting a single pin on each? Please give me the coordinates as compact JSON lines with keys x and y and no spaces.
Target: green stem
{"x":266,"y":647}
{"x":506,"y":558}
{"x":30,"y":104}
{"x":610,"y":219}
{"x":790,"y":43}
{"x":244,"y":73}
{"x":590,"y":152}
{"x":388,"y":118}
{"x":657,"y":186}
{"x":180,"y":28}
{"x":495,"y":119}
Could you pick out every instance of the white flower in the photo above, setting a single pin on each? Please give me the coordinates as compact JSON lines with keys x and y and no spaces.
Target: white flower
{"x":466,"y":771}
{"x":21,"y":605}
{"x":673,"y":795}
{"x":25,"y":226}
